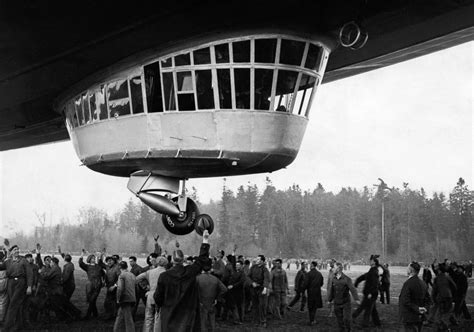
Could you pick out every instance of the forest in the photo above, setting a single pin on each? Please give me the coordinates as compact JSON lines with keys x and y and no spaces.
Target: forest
{"x":289,"y":223}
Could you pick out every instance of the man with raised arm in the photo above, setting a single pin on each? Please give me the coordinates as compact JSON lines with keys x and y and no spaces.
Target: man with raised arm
{"x":69,"y":283}
{"x":95,"y":275}
{"x":177,"y":293}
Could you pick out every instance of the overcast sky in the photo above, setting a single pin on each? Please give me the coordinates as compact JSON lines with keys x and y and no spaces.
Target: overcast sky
{"x":411,"y":122}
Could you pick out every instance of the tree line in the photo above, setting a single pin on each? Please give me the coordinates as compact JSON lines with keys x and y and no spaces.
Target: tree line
{"x":290,"y":223}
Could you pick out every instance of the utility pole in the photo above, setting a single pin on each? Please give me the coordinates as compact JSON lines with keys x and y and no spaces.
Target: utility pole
{"x":381,"y":190}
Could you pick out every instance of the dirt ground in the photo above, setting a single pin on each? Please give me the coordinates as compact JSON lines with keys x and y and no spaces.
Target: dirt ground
{"x":293,"y":321}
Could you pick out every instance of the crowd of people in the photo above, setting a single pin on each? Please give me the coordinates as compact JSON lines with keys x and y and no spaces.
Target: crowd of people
{"x":188,"y":293}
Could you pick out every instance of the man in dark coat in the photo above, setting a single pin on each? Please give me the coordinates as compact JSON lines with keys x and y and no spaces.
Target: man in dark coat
{"x":427,"y":276}
{"x":177,"y":293}
{"x":69,"y":283}
{"x":443,"y":290}
{"x":235,"y":294}
{"x":260,"y":278}
{"x":20,"y":282}
{"x":370,"y":292}
{"x":339,"y":290}
{"x":314,"y":282}
{"x":460,"y":279}
{"x":300,"y":283}
{"x":95,"y":274}
{"x":210,"y":290}
{"x":112,"y":272}
{"x":414,"y":300}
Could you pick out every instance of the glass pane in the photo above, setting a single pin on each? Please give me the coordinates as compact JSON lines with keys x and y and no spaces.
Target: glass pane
{"x":284,"y":91}
{"x":185,"y":81}
{"x":94,"y":114}
{"x":202,"y":56}
{"x":241,"y":51}
{"x":291,"y":52}
{"x":119,"y":107}
{"x":75,"y":120}
{"x":153,"y":88}
{"x":168,"y":87}
{"x":309,"y":90}
{"x":242,"y":88}
{"x":101,"y":107}
{"x":182,"y":60}
{"x":205,"y":92}
{"x":85,"y":104}
{"x":98,"y":107}
{"x":71,"y":114}
{"x":263,"y":88}
{"x":225,"y":97}
{"x":304,"y":93}
{"x":137,"y":96}
{"x":313,"y":59}
{"x":265,"y":50}
{"x":117,"y":90}
{"x":222,"y":53}
{"x":78,"y":107}
{"x":186,"y":102}
{"x":166,"y":62}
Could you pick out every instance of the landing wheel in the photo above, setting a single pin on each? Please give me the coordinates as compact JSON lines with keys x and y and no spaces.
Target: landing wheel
{"x":203,"y":222}
{"x":183,"y":223}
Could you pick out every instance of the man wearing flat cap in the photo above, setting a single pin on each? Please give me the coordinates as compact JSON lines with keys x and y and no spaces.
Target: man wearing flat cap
{"x":177,"y":294}
{"x":20,"y":281}
{"x":112,"y":272}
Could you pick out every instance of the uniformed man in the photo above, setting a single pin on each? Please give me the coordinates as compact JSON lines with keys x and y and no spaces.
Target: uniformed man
{"x":260,"y":281}
{"x":20,"y":282}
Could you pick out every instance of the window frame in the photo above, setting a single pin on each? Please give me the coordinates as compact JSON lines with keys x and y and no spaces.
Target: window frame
{"x":213,"y":66}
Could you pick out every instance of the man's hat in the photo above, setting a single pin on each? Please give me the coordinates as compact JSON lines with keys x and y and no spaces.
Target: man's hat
{"x":12,"y":247}
{"x":374,"y":257}
{"x":178,"y":256}
{"x":89,"y":258}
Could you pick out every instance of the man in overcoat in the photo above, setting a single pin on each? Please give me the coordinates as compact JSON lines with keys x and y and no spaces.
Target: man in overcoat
{"x":314,"y":282}
{"x":414,"y":299}
{"x":177,"y":294}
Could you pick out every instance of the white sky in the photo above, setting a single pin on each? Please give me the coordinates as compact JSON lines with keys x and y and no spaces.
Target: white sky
{"x":411,"y":122}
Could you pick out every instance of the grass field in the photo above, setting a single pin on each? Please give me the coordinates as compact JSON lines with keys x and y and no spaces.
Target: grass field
{"x":294,"y":321}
